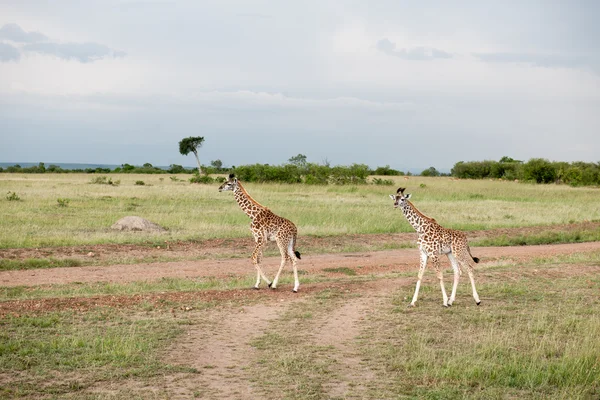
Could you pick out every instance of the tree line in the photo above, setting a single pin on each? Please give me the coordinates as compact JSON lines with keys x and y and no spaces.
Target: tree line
{"x":298,"y":170}
{"x":537,"y":170}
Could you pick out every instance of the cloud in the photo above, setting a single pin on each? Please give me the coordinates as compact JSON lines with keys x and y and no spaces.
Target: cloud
{"x":8,"y":53}
{"x":413,"y":54}
{"x":538,"y":60}
{"x":15,"y":33}
{"x":36,"y":42}
{"x":82,"y":52}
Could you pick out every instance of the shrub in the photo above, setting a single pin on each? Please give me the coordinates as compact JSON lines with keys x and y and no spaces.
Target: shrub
{"x":539,"y":170}
{"x":12,"y":196}
{"x":352,"y":175}
{"x":384,"y":182}
{"x":103,"y":180}
{"x":63,"y":202}
{"x":140,"y":183}
{"x":202,"y":179}
{"x":387,"y":171}
{"x":431,"y":171}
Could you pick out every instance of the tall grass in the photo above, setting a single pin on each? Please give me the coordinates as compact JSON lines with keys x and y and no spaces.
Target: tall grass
{"x":201,"y":212}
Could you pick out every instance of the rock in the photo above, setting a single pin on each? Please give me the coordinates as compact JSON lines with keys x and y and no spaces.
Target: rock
{"x":132,"y":223}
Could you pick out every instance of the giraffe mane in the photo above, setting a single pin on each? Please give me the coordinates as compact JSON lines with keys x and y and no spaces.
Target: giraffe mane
{"x":248,"y":195}
{"x":416,"y":210}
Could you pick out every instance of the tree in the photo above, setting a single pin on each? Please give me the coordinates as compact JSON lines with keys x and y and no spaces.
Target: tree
{"x":218,"y":164}
{"x":191,"y":144}
{"x":299,"y":160}
{"x":431,"y":171}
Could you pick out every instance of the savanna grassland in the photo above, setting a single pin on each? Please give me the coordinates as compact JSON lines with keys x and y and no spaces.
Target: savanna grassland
{"x":348,"y":333}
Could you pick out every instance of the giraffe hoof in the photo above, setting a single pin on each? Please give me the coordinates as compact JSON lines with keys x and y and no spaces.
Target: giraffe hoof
{"x":270,"y":284}
{"x":255,"y":288}
{"x":479,"y":302}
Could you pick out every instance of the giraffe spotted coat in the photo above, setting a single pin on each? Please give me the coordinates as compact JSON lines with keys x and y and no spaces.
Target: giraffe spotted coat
{"x":266,"y":226}
{"x":435,"y":240}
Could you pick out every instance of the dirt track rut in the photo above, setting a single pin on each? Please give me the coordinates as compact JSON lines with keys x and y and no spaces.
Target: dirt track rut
{"x":404,"y":259}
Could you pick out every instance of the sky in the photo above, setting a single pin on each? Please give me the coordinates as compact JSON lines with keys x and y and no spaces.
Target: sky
{"x":409,"y":84}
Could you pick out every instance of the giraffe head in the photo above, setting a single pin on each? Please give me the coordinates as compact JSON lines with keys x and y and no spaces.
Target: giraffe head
{"x":230,"y":184}
{"x":399,"y":198}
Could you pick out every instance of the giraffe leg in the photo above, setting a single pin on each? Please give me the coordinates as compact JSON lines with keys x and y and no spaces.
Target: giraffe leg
{"x":472,"y":279}
{"x":288,"y":255}
{"x":456,"y":269}
{"x":435,"y":261}
{"x":292,"y":256}
{"x":295,"y":268}
{"x":256,"y":259}
{"x":283,"y":261}
{"x":422,"y":266}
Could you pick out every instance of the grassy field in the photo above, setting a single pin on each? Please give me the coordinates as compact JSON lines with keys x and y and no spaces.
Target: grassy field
{"x":347,"y":334}
{"x":67,"y":209}
{"x":534,"y":337}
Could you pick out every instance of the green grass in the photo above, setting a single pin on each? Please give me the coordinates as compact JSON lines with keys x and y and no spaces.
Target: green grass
{"x":125,"y":289}
{"x":535,"y":336}
{"x":61,"y":353}
{"x":544,"y":238}
{"x":196,"y":212}
{"x":341,"y":270}
{"x":34,"y":263}
{"x":164,"y":285}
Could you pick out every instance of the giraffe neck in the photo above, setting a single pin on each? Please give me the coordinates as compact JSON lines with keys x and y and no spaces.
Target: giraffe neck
{"x":250,"y":206}
{"x":415,"y":218}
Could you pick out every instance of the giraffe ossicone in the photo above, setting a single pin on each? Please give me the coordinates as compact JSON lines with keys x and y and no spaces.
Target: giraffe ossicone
{"x":266,"y":226}
{"x":434,"y":240}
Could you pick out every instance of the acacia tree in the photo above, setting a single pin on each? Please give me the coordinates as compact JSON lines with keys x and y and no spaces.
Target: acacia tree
{"x":191,"y":144}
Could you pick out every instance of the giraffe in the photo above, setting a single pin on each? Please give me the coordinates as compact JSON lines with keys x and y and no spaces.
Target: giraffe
{"x":433,"y":241}
{"x":266,"y":226}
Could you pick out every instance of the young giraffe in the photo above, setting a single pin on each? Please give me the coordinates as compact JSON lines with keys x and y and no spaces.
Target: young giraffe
{"x":266,"y":226}
{"x":435,"y":240}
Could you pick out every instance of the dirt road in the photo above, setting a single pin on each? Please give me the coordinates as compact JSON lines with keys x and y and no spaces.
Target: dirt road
{"x":398,"y":260}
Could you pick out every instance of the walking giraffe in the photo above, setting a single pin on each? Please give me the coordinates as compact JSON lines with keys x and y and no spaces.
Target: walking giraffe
{"x":266,"y":226}
{"x":435,"y":240}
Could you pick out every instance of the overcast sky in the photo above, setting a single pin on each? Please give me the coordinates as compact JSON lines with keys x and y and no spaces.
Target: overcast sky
{"x":410,"y":84}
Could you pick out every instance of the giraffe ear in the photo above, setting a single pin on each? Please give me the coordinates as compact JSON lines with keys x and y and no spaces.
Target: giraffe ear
{"x":407,"y":196}
{"x":392,"y":197}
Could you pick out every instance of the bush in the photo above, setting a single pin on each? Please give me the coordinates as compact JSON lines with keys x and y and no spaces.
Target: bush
{"x":140,"y":183}
{"x":202,"y":179}
{"x":63,"y":202}
{"x":317,"y":174}
{"x":103,"y":180}
{"x":431,"y":171}
{"x":539,"y":170}
{"x":384,"y":182}
{"x":387,"y":171}
{"x":352,"y":175}
{"x":12,"y":196}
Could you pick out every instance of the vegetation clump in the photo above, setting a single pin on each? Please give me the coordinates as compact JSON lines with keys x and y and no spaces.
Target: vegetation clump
{"x":63,"y":202}
{"x":536,"y":170}
{"x":103,"y":180}
{"x":12,"y":196}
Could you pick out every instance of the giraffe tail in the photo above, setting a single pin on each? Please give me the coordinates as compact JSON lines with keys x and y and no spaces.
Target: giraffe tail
{"x":297,"y":253}
{"x":474,"y":258}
